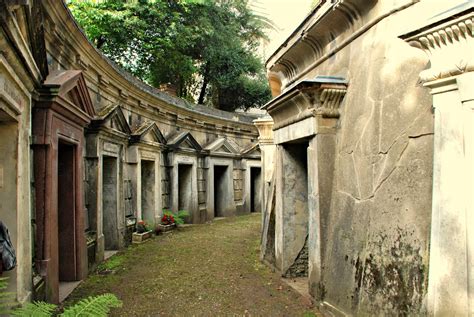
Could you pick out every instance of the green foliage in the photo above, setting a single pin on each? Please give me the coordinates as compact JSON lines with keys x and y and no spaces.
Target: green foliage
{"x":111,"y":263}
{"x":205,"y":48}
{"x":35,"y":309}
{"x":179,"y":217}
{"x":6,"y":298}
{"x":97,"y":306}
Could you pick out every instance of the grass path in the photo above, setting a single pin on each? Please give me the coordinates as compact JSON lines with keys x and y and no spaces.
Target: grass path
{"x":202,"y":270}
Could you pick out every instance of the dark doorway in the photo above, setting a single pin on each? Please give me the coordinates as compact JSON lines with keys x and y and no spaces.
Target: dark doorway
{"x":255,"y":189}
{"x":109,"y":202}
{"x":148,"y":191}
{"x":185,"y":194}
{"x":66,"y":212}
{"x":220,"y":191}
{"x":295,"y":208}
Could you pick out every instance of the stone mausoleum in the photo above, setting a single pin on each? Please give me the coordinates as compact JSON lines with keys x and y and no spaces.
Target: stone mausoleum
{"x":88,"y":150}
{"x":363,"y":167}
{"x":367,"y":155}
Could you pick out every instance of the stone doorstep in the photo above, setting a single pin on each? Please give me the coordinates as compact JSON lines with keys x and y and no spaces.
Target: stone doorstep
{"x":300,"y":285}
{"x":66,"y":288}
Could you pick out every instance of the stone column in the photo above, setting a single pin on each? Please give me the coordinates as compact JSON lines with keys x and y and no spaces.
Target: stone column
{"x":449,"y":43}
{"x":265,"y":139}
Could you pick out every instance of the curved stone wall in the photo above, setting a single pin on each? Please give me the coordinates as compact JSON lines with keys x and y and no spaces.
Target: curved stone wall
{"x":107,"y":150}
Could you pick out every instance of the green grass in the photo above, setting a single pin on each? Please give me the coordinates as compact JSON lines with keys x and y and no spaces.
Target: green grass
{"x":203,"y":270}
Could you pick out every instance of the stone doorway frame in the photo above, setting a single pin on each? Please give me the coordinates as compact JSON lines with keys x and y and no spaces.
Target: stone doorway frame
{"x":231,"y":207}
{"x":308,"y":110}
{"x":248,"y":165}
{"x":58,"y":119}
{"x":193,"y":204}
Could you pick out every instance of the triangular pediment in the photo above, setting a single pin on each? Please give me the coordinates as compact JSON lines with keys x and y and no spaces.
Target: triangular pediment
{"x":71,"y":86}
{"x":112,"y":117}
{"x":148,"y":132}
{"x":252,"y":150}
{"x":221,"y":145}
{"x":184,"y":140}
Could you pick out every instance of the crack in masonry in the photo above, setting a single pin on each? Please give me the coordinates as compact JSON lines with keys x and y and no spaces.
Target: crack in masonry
{"x":402,"y":133}
{"x":356,"y":174}
{"x":357,"y":200}
{"x":363,"y":130}
{"x":370,"y":198}
{"x":391,"y":172}
{"x":366,"y":126}
{"x":420,"y":135}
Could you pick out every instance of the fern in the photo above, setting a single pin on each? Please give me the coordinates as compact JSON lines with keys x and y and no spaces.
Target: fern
{"x":35,"y":309}
{"x":93,"y":306}
{"x":7,"y":299}
{"x":97,"y":306}
{"x":178,"y":217}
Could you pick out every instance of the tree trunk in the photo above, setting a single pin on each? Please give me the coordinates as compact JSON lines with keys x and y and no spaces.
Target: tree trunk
{"x":205,"y":81}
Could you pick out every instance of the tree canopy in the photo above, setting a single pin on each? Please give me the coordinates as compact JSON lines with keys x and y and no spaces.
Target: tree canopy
{"x":206,"y":49}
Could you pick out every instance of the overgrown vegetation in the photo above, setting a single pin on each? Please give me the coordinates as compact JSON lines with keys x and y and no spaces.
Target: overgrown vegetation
{"x":97,"y":306}
{"x":206,"y":49}
{"x":6,"y":298}
{"x":177,"y":217}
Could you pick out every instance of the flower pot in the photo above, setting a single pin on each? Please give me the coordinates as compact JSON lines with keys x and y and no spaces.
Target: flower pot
{"x":167,"y":228}
{"x":138,"y":238}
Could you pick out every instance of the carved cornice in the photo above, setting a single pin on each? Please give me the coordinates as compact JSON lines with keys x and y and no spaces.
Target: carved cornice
{"x":310,"y":41}
{"x":321,"y":97}
{"x":330,"y":99}
{"x":448,"y":42}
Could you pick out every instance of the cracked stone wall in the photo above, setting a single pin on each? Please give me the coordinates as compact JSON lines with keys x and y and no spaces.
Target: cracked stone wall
{"x":375,"y":237}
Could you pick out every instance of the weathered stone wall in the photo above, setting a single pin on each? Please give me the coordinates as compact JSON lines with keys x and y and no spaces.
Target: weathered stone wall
{"x":20,"y":75}
{"x":377,"y":235}
{"x":373,"y":223}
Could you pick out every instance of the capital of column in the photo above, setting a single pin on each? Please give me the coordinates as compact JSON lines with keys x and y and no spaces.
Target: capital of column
{"x":448,"y":41}
{"x":265,"y":129}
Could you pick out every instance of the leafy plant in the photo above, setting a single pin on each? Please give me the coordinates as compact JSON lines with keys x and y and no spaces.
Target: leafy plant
{"x":93,"y":306}
{"x":36,"y":309}
{"x":97,"y":306}
{"x":178,"y":217}
{"x":6,"y":298}
{"x":143,"y":226}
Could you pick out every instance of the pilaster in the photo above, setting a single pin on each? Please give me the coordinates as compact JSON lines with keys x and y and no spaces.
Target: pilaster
{"x":448,"y":41}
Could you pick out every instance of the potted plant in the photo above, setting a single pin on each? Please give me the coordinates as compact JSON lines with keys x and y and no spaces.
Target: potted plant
{"x":143,"y":232}
{"x":171,"y":220}
{"x":168,"y":222}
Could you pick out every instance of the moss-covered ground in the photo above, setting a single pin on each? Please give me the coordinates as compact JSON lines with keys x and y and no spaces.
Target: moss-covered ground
{"x":202,"y":270}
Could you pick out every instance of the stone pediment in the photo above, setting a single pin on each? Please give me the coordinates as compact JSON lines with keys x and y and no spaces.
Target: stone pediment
{"x":148,"y":132}
{"x":221,"y":145}
{"x":253,"y":150}
{"x":71,"y":87}
{"x":184,"y":140}
{"x":112,"y":117}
